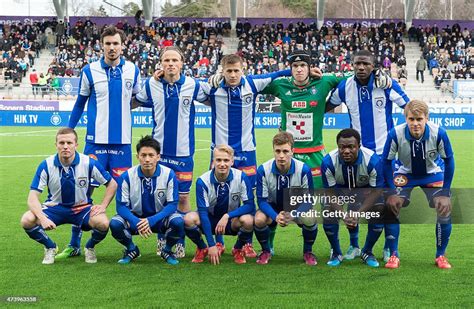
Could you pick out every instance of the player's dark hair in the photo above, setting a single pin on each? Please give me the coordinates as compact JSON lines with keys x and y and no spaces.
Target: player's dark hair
{"x":174,"y":48}
{"x":111,"y":31}
{"x":64,"y":131}
{"x":282,"y":138}
{"x":364,"y":53}
{"x":148,"y":141}
{"x":230,"y":59}
{"x":348,"y":133}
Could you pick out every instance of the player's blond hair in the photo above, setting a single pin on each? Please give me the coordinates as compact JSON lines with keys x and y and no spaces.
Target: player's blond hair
{"x":172,"y":48}
{"x":231,"y":59}
{"x":225,"y":148}
{"x":64,"y":131}
{"x":417,"y":107}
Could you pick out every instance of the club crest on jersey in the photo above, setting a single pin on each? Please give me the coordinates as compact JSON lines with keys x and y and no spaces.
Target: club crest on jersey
{"x":400,"y":180}
{"x":432,"y":154}
{"x":298,"y":104}
{"x":313,"y":90}
{"x":186,"y":101}
{"x":82,"y":182}
{"x":363,"y":178}
{"x":380,"y":102}
{"x":247,"y":99}
{"x":161,"y":192}
{"x":128,"y":84}
{"x":235,"y":197}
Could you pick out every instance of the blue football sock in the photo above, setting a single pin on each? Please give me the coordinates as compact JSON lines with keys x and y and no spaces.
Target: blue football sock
{"x":354,"y":236}
{"x":332,"y":233}
{"x":182,"y":240}
{"x":220,"y":238}
{"x":96,"y":237}
{"x":37,"y":233}
{"x":243,"y":237}
{"x":309,"y":237}
{"x":76,"y":235}
{"x":263,"y":235}
{"x":195,"y":235}
{"x":121,"y":233}
{"x":443,"y":232}
{"x":272,"y":235}
{"x":373,"y":234}
{"x":175,"y":232}
{"x":392,"y":233}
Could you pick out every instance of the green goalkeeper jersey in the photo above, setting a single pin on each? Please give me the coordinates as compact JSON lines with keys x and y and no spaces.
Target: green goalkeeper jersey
{"x":302,"y":109}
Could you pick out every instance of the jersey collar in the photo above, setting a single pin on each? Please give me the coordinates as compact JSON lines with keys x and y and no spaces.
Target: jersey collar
{"x":214,"y":179}
{"x":155,"y":175}
{"x":180,"y":81}
{"x":425,"y":136}
{"x":75,"y":162}
{"x":369,"y":84}
{"x":291,"y":171}
{"x":105,"y":65}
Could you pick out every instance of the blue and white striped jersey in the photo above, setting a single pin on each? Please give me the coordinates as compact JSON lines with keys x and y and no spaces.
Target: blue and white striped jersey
{"x":110,"y":91}
{"x":418,"y":157}
{"x":233,"y":110}
{"x":173,"y":113}
{"x":145,"y":196}
{"x":370,"y":109}
{"x":367,"y":170}
{"x":68,"y":186}
{"x":223,"y":197}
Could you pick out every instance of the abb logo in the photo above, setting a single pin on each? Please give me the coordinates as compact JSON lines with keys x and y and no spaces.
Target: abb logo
{"x":298,"y":104}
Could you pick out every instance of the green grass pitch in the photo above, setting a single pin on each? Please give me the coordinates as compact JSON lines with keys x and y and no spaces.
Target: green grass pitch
{"x":285,"y":282}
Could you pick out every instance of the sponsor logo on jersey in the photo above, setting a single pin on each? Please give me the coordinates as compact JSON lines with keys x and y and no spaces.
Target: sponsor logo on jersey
{"x":116,"y":172}
{"x":313,"y":103}
{"x":298,"y":104}
{"x":400,"y":180}
{"x":93,"y":156}
{"x":300,"y":125}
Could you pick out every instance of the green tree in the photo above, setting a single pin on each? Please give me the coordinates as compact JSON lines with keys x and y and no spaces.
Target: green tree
{"x":206,"y":8}
{"x":131,"y":9}
{"x":307,"y":8}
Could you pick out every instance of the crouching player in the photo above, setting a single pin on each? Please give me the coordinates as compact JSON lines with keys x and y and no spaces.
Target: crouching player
{"x":425,"y":160}
{"x":225,"y":206}
{"x":67,"y":175}
{"x":348,"y":167}
{"x":273,"y":177}
{"x":147,"y":200}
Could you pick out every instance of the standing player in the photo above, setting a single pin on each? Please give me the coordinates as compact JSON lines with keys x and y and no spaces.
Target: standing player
{"x":67,"y":175}
{"x":147,"y":200}
{"x":352,"y":166}
{"x":108,"y":86}
{"x":303,"y":104}
{"x":273,"y":177}
{"x":225,"y":206}
{"x":370,"y":112}
{"x":425,"y":160}
{"x":172,"y":101}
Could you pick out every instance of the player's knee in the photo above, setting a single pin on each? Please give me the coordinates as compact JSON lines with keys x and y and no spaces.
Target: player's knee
{"x":100,"y":222}
{"x":28,"y":220}
{"x":246,"y":222}
{"x":191,"y":219}
{"x":116,"y":225}
{"x":177,"y":223}
{"x":260,"y":219}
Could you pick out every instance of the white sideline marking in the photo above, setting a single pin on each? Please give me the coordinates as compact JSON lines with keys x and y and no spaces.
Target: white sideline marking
{"x":25,"y":132}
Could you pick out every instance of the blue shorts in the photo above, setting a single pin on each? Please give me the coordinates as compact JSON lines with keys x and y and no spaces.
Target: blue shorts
{"x":430,"y":184}
{"x":160,"y":227}
{"x":183,"y":168}
{"x":228,"y":227}
{"x":246,"y":161}
{"x":61,"y":215}
{"x":115,"y":159}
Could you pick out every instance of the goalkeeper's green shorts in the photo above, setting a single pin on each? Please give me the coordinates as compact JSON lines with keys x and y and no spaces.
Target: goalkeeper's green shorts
{"x":313,"y":160}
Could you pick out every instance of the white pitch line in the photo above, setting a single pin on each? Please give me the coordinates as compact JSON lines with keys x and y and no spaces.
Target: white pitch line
{"x":26,"y":132}
{"x":22,"y":156}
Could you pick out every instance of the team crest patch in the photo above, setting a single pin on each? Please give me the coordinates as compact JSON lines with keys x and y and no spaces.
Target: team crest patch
{"x":247,"y":98}
{"x":128,"y":84}
{"x":313,"y":90}
{"x":186,"y":101}
{"x":400,"y":180}
{"x":161,"y":192}
{"x":363,"y":178}
{"x":432,"y":154}
{"x":380,"y":102}
{"x":235,"y":197}
{"x":82,"y":182}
